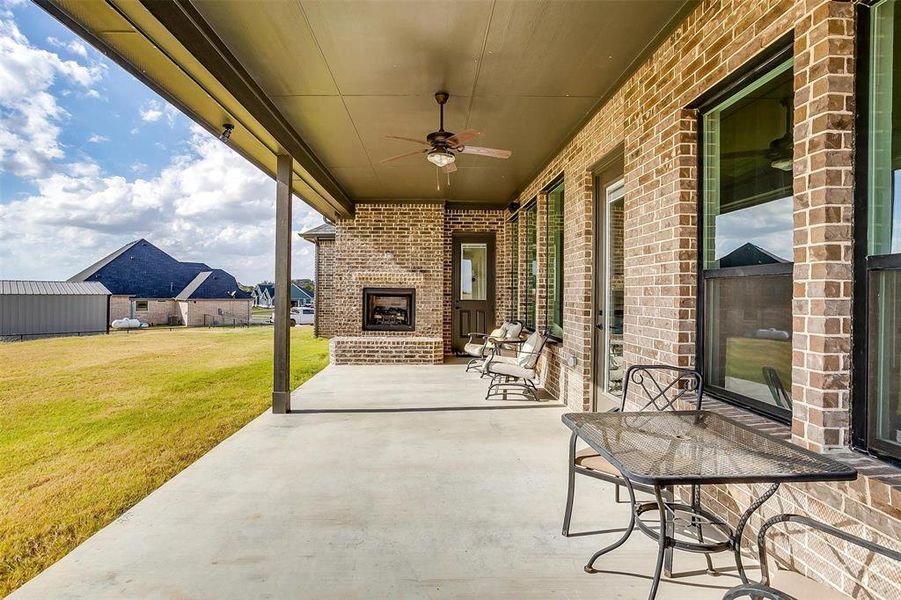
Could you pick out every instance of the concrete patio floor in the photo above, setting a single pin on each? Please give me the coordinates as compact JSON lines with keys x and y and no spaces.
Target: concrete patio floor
{"x":390,"y":482}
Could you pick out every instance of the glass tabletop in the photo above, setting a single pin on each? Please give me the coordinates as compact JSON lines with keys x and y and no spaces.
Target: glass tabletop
{"x":684,"y":447}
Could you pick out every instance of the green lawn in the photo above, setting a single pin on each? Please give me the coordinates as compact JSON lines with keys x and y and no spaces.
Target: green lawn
{"x":89,"y":426}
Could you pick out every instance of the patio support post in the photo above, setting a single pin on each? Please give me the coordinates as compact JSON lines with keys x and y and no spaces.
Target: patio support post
{"x":281,"y":360}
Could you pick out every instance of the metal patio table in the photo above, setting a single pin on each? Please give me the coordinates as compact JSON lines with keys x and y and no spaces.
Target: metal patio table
{"x":665,"y":449}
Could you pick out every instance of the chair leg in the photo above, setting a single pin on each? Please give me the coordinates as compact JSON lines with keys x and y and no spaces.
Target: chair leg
{"x":589,"y":568}
{"x":571,"y":488}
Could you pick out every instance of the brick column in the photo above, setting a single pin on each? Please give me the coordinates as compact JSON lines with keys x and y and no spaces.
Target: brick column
{"x":823,"y":205}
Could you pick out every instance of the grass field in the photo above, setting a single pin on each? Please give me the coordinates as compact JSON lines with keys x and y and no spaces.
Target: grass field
{"x":91,"y":425}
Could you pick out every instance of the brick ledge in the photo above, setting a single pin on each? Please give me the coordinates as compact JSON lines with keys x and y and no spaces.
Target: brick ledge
{"x":878,"y":483}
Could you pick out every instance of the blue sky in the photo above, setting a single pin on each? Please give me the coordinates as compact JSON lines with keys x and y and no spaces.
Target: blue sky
{"x":91,"y":159}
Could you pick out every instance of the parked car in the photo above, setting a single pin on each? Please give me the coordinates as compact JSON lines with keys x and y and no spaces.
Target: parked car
{"x":300,"y":315}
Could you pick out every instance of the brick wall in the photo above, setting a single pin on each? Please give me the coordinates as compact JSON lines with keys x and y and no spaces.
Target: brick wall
{"x":199,"y":313}
{"x":157,"y":313}
{"x":476,"y":221}
{"x":325,"y":301}
{"x":648,"y":115}
{"x":393,"y":246}
{"x":824,"y":190}
{"x":119,"y":307}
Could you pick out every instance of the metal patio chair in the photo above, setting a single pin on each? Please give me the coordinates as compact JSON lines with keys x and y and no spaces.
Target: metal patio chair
{"x":780,"y":395}
{"x":481,"y":344}
{"x":681,"y":385}
{"x":790,"y":585}
{"x":516,"y":374}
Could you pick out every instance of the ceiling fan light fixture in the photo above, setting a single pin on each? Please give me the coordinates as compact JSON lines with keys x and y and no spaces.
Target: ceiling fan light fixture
{"x":783,"y":164}
{"x":441,"y":158}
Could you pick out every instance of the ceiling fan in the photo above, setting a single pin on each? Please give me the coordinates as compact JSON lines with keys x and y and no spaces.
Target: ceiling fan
{"x":780,"y":151}
{"x":440,"y":146}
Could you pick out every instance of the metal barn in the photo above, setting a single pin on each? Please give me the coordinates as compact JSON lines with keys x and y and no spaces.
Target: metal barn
{"x":30,"y":309}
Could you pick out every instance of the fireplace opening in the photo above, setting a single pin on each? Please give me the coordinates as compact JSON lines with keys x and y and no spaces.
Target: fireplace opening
{"x":389,"y":309}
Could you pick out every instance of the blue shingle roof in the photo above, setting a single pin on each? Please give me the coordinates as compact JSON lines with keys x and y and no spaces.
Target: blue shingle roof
{"x":142,"y":270}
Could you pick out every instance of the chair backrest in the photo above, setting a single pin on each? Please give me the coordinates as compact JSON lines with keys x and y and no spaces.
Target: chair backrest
{"x":530,"y":350}
{"x":514,"y":330}
{"x":663,"y":386}
{"x":822,"y":528}
{"x":780,"y":395}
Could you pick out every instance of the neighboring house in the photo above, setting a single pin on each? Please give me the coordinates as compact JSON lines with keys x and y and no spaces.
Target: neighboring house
{"x":30,"y":309}
{"x":300,"y":297}
{"x":323,"y":237}
{"x":152,"y":286}
{"x":264,"y":295}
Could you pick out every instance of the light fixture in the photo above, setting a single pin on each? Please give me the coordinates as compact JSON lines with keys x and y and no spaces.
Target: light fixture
{"x":441,"y":158}
{"x":226,"y":132}
{"x":783,"y":164}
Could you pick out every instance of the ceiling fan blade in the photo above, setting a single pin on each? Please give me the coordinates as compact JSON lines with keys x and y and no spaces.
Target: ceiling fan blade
{"x":492,"y":152}
{"x":461,"y":137}
{"x":406,"y":139}
{"x":449,"y":168}
{"x":404,"y":155}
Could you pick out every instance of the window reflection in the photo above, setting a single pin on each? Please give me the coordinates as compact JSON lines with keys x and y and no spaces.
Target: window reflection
{"x":748,"y":173}
{"x":555,"y":261}
{"x":748,"y":223}
{"x":531,"y":251}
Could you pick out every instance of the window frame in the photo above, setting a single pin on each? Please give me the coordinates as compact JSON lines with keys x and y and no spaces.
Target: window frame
{"x":145,"y":303}
{"x":862,"y":421}
{"x":530,"y":207}
{"x":759,"y":66}
{"x":557,"y":182}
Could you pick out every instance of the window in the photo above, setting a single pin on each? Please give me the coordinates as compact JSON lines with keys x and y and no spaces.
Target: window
{"x":531,"y":233}
{"x":514,"y":268}
{"x":473,"y":271}
{"x":554,"y":308}
{"x":141,"y":305}
{"x":747,"y":223}
{"x":881,"y":412}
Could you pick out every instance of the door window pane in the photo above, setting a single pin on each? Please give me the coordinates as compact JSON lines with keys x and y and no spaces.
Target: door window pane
{"x":748,"y":175}
{"x":748,"y":337}
{"x":531,"y":231}
{"x":555,"y":261}
{"x":473,"y":271}
{"x":615,"y":291}
{"x":885,"y":358}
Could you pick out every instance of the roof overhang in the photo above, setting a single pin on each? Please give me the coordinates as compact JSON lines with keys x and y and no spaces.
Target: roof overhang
{"x":325,"y":81}
{"x":170,"y":49}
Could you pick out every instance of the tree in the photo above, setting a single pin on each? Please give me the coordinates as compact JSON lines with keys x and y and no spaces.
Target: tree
{"x":307,"y":285}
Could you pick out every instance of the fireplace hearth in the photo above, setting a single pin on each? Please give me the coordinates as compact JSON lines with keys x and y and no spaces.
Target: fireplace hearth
{"x":389,"y":309}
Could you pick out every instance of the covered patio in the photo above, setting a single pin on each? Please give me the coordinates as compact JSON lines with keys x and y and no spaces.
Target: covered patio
{"x":388,"y":482}
{"x":661,"y":182}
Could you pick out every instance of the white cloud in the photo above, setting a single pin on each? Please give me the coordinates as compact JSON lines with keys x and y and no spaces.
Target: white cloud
{"x":30,"y":116}
{"x":96,"y":138}
{"x":154,"y":110}
{"x":74,"y":46}
{"x":151,"y":111}
{"x":210,"y":205}
{"x":138,"y":167}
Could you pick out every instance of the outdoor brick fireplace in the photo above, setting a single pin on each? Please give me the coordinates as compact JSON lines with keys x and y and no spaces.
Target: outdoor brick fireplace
{"x":389,"y":309}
